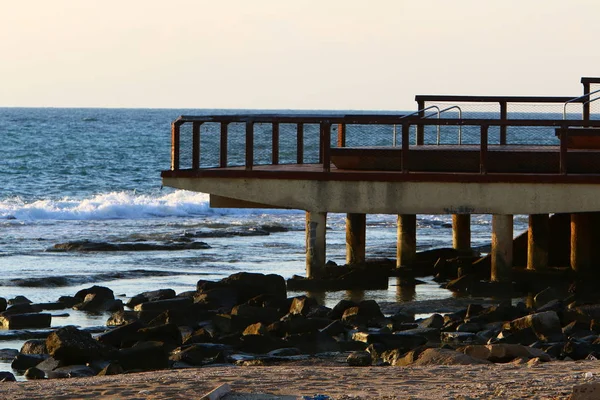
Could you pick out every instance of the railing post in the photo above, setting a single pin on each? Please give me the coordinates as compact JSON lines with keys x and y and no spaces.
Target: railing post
{"x":563,"y":150}
{"x":223,"y":145}
{"x":420,"y":139}
{"x":196,"y":144}
{"x":341,"y":137}
{"x":175,"y":137}
{"x":249,"y":145}
{"x":483,"y":151}
{"x":405,"y":147}
{"x":503,"y":118}
{"x":326,"y":145}
{"x":586,"y":104}
{"x":275,"y":151}
{"x":300,"y":143}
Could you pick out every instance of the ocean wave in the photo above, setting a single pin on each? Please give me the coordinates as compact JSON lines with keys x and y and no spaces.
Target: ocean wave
{"x":120,"y":205}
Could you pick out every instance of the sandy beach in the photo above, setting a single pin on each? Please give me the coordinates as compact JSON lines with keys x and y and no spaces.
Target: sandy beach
{"x":553,"y":380}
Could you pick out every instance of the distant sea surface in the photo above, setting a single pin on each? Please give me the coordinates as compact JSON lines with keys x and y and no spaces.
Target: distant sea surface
{"x":94,"y":175}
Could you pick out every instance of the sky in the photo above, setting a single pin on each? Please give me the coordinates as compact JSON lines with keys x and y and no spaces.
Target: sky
{"x":284,"y":54}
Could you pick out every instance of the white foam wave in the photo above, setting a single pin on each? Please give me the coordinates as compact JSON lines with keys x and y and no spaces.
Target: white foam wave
{"x":119,"y":205}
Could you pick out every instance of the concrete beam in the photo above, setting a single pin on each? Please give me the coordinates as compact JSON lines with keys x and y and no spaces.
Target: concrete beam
{"x":316,"y":223}
{"x":502,"y":247}
{"x":356,"y":230}
{"x":538,"y":242}
{"x":461,"y":231}
{"x":406,"y":248}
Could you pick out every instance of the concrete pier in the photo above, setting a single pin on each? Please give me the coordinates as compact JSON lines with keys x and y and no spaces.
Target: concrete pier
{"x":538,"y":241}
{"x":356,"y":228}
{"x":316,"y":223}
{"x":461,"y":231}
{"x":406,"y":249}
{"x":581,"y":244}
{"x":502,"y":247}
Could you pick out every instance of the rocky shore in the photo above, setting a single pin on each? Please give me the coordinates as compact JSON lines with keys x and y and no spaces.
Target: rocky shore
{"x":247,"y":321}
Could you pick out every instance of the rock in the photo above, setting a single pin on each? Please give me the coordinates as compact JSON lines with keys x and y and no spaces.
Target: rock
{"x":96,"y":302}
{"x":72,"y":371}
{"x":219,"y":298}
{"x":34,"y":373}
{"x":73,"y":346}
{"x":470,"y":327}
{"x":122,"y":336}
{"x":154,"y":295}
{"x":302,"y":305}
{"x":255,"y":329}
{"x":122,"y":317}
{"x":446,"y":357}
{"x":202,"y":335}
{"x":168,"y":334}
{"x":431,"y":334}
{"x":34,"y":346}
{"x":227,"y":323}
{"x":456,"y":338}
{"x":7,"y":377}
{"x":68,"y":301}
{"x":19,"y":300}
{"x":260,"y":344}
{"x":249,"y":285}
{"x":545,"y":325}
{"x":391,"y":340}
{"x":359,"y":359}
{"x":23,"y":361}
{"x":265,"y":315}
{"x":164,"y":305}
{"x":335,"y":328}
{"x":144,"y":356}
{"x":312,"y":343}
{"x":502,"y":353}
{"x":23,"y":321}
{"x":113,"y":368}
{"x":24,"y":308}
{"x":544,"y":297}
{"x":402,"y":317}
{"x":8,"y":354}
{"x":200,"y":353}
{"x":101,"y":293}
{"x":49,"y":364}
{"x":586,"y":391}
{"x":338,"y":310}
{"x":51,"y":306}
{"x":3,"y":304}
{"x":434,"y":321}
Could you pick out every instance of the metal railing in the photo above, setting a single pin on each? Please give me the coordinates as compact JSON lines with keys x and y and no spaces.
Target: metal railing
{"x":579,"y":99}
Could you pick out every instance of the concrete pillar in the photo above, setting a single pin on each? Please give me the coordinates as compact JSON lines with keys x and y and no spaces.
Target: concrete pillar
{"x":406,"y":249}
{"x":581,"y":249}
{"x":538,"y":242}
{"x":461,"y":231}
{"x":356,"y":229}
{"x":315,"y":243}
{"x":502,"y":247}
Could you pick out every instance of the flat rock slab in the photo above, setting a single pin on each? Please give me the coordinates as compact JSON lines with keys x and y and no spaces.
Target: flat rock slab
{"x":22,"y":321}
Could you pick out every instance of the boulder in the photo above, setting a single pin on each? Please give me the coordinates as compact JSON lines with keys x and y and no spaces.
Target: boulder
{"x":122,"y":336}
{"x":266,"y":315}
{"x":101,"y":293}
{"x":403,"y":343}
{"x":3,"y":305}
{"x":24,"y":321}
{"x":434,"y":321}
{"x":218,"y":298}
{"x":19,"y":300}
{"x":312,"y":343}
{"x":260,"y":344}
{"x":255,"y":329}
{"x":8,"y":354}
{"x":302,"y":305}
{"x":456,"y":338}
{"x":200,"y":353}
{"x":160,"y":306}
{"x":544,"y":297}
{"x":545,"y":325}
{"x":249,"y":285}
{"x":154,"y":295}
{"x":23,"y":361}
{"x":7,"y":377}
{"x":446,"y":357}
{"x":73,"y":346}
{"x":34,"y":346}
{"x":113,"y":368}
{"x":122,"y":317}
{"x":338,"y":310}
{"x":34,"y":373}
{"x":24,"y":308}
{"x":72,"y":371}
{"x":359,"y":359}
{"x":502,"y":353}
{"x":144,"y":356}
{"x":168,"y":334}
{"x":96,"y":302}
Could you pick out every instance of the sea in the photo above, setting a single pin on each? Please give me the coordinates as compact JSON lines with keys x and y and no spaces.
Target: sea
{"x":93,"y":174}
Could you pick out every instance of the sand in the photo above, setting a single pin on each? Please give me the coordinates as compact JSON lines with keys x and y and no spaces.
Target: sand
{"x":553,"y":380}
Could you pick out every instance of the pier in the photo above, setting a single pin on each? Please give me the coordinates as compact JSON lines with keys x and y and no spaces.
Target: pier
{"x":455,"y":155}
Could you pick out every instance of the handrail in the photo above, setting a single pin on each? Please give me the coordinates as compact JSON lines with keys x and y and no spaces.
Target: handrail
{"x":592,"y":100}
{"x":459,"y":127}
{"x":575,"y":99}
{"x":415,"y":113}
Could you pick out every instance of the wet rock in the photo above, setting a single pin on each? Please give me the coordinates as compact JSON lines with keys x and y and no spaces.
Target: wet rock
{"x":154,"y":295}
{"x":23,"y":361}
{"x":19,"y":300}
{"x":86,"y":245}
{"x":164,"y":305}
{"x":22,"y":321}
{"x":434,"y":321}
{"x":359,"y":359}
{"x":219,"y":298}
{"x":8,"y":354}
{"x":51,"y":306}
{"x":7,"y":377}
{"x":73,"y":346}
{"x":34,"y":346}
{"x":144,"y":356}
{"x":68,"y":301}
{"x":95,"y":302}
{"x":578,"y":350}
{"x":101,"y":293}
{"x":34,"y":373}
{"x":24,"y":308}
{"x":3,"y":304}
{"x":249,"y":285}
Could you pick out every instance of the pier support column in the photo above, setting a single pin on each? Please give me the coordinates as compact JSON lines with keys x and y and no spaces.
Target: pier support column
{"x":502,"y":247}
{"x":356,"y":228}
{"x":406,"y":249}
{"x":461,"y":231}
{"x":315,"y":243}
{"x":538,"y":241}
{"x":581,"y":249}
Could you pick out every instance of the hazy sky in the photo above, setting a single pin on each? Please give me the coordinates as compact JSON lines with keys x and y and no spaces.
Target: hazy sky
{"x":287,"y":54}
